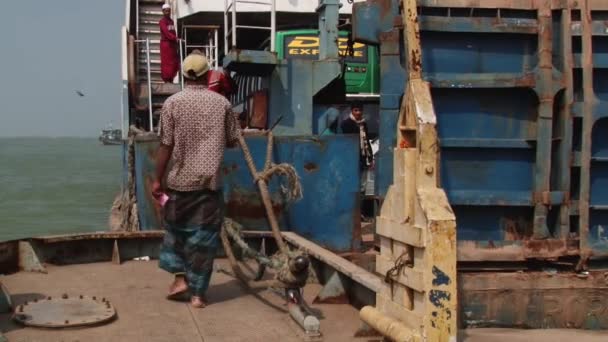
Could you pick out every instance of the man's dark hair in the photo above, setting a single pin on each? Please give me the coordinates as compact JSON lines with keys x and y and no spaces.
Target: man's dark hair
{"x":356,"y":105}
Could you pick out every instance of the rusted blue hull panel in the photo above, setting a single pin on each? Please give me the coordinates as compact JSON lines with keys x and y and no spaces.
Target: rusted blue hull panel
{"x":598,"y":216}
{"x":392,"y":81}
{"x":522,"y":126}
{"x":328,"y":167}
{"x":534,"y":300}
{"x":145,"y":172}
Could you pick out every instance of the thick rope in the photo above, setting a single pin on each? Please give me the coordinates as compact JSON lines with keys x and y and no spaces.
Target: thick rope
{"x":285,"y":275}
{"x":293,"y":189}
{"x":123,"y":214}
{"x":263,"y":188}
{"x":237,"y":268}
{"x":233,"y":230}
{"x":269,"y":148}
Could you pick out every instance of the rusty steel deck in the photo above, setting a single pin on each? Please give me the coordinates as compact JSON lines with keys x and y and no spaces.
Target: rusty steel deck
{"x":137,"y":288}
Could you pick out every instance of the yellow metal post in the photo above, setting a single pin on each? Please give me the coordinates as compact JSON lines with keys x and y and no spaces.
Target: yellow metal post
{"x":417,"y":226}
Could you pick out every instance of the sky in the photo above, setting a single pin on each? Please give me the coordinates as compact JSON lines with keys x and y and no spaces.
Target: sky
{"x":49,"y":50}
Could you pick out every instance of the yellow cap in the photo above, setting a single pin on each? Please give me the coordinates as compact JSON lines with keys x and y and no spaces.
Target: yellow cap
{"x":195,"y":66}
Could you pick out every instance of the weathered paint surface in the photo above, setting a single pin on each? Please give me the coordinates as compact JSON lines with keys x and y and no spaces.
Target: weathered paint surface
{"x":520,"y":96}
{"x":145,"y":172}
{"x":520,"y":123}
{"x":328,"y":169}
{"x":293,"y":85}
{"x":416,"y":225}
{"x":259,"y":63}
{"x":537,"y":300}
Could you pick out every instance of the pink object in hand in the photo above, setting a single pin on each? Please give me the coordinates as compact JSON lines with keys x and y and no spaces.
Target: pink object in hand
{"x":163,"y":199}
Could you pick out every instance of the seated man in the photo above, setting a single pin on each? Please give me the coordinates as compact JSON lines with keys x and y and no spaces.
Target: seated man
{"x":355,"y":124}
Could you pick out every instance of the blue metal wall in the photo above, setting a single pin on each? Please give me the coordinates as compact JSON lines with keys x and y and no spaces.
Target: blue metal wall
{"x":513,"y":125}
{"x":328,"y":166}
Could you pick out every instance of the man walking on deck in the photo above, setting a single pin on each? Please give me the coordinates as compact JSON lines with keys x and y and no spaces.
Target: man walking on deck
{"x":196,"y":126}
{"x":169,"y":58}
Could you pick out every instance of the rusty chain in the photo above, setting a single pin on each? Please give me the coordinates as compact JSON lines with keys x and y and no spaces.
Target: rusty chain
{"x":402,"y":261}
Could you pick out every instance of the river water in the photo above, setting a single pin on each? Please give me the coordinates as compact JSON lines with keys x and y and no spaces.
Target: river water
{"x":56,"y":185}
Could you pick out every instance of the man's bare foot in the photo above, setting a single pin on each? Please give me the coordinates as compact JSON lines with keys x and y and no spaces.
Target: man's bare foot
{"x":178,"y":288}
{"x":197,"y":302}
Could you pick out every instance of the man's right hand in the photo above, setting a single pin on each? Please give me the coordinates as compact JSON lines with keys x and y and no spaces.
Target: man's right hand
{"x":156,"y":189}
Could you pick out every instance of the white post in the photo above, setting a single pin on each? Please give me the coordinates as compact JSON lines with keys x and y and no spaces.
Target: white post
{"x":181,"y":60}
{"x":273,"y":24}
{"x":149,"y":85}
{"x":217,"y":52}
{"x":225,"y":27}
{"x":234,"y":29}
{"x":137,"y":19}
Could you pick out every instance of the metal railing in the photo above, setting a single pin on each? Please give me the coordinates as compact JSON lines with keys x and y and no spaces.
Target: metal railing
{"x":147,"y":43}
{"x":149,"y":81}
{"x":136,"y":19}
{"x":231,"y":26}
{"x":211,"y":47}
{"x":124,"y":105}
{"x":181,"y":59}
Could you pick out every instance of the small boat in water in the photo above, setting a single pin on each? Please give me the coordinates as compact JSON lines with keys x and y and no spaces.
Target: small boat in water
{"x":110,"y":136}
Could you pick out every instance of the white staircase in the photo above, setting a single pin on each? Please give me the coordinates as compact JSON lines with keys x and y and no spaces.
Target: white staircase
{"x":150,"y":14}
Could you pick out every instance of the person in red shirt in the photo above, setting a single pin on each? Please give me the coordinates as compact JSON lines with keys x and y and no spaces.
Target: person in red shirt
{"x":169,"y":58}
{"x":219,"y":81}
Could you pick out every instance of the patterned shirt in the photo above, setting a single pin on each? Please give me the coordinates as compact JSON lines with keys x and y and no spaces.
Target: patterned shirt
{"x":198,"y":123}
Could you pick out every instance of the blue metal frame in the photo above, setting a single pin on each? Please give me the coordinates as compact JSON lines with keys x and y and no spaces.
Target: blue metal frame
{"x":513,"y":114}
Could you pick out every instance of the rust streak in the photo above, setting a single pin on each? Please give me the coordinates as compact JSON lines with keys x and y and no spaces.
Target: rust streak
{"x":311,"y":167}
{"x":589,"y":102}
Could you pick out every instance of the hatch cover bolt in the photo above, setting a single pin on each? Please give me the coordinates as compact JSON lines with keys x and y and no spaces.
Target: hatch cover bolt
{"x":429,"y":169}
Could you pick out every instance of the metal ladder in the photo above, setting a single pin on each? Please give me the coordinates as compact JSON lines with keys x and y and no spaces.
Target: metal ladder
{"x":148,"y":15}
{"x":147,"y":40}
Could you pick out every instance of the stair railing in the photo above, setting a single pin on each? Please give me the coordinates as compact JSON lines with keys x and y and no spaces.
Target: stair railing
{"x":211,"y":48}
{"x":149,"y":81}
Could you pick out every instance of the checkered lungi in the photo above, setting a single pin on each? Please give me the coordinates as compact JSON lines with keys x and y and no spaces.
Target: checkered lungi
{"x":193,"y":221}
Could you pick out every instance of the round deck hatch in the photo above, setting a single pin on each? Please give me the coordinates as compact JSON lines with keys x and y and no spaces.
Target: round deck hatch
{"x":65,"y":311}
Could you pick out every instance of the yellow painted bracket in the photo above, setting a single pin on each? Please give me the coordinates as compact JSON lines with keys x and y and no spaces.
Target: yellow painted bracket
{"x":417,"y":226}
